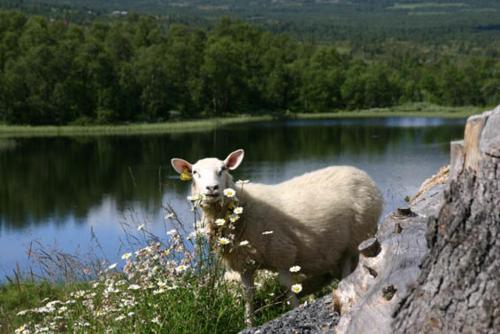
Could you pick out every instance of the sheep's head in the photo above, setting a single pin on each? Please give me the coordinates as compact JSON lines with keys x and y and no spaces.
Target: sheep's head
{"x":209,"y":176}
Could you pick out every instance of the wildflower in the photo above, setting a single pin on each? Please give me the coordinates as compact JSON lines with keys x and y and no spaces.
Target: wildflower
{"x":121,"y":282}
{"x":229,"y":192}
{"x":111,"y":267}
{"x":296,"y":288}
{"x":170,"y":215}
{"x":78,"y":294}
{"x":244,"y":243}
{"x":238,"y":210}
{"x":295,"y":269}
{"x":126,"y":256}
{"x":53,"y":303}
{"x":140,"y":227}
{"x":224,"y":241}
{"x":233,"y":218}
{"x":134,"y":287}
{"x":202,"y":231}
{"x":220,"y":222}
{"x":267,"y":232}
{"x":157,"y":292}
{"x":194,"y":198}
{"x":181,"y":268}
{"x":186,"y":175}
{"x":23,"y":329}
{"x":242,"y":182}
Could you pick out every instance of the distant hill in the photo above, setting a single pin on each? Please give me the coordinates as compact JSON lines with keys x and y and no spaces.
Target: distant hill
{"x":361,"y":20}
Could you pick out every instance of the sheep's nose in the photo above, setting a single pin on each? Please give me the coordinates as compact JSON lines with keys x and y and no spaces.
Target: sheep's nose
{"x":212,"y":188}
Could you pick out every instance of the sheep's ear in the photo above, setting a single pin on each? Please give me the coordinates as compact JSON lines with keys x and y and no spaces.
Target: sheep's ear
{"x":181,"y":165}
{"x":234,"y":159}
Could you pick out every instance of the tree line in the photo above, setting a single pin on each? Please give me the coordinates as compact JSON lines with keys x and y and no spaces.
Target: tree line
{"x":138,"y":70}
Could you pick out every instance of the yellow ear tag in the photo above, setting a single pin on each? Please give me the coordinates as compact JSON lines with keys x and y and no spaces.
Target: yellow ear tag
{"x":186,"y":175}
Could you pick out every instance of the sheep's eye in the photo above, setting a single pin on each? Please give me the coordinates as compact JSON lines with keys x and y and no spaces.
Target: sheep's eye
{"x":221,"y":170}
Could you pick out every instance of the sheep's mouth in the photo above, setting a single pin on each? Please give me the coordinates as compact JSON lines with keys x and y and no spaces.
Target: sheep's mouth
{"x":212,"y":196}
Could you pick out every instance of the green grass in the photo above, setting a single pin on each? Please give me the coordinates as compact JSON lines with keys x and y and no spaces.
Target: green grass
{"x":409,"y":110}
{"x":128,"y":129}
{"x":15,"y":297}
{"x":151,"y":294}
{"x":194,"y":308}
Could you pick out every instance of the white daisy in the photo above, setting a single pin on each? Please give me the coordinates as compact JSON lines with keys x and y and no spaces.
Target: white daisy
{"x":229,"y":192}
{"x":296,"y":288}
{"x":224,"y":241}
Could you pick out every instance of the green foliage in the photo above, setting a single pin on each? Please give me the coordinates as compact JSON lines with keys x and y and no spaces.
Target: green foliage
{"x":137,"y":70}
{"x":17,"y":296}
{"x":164,"y":287}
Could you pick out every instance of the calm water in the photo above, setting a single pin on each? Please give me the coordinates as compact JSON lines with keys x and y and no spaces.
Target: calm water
{"x":59,"y":190}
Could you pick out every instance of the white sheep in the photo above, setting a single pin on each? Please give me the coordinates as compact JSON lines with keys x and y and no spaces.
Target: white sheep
{"x":314,"y":221}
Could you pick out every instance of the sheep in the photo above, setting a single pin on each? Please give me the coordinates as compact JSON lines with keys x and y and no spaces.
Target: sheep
{"x":313,"y":222}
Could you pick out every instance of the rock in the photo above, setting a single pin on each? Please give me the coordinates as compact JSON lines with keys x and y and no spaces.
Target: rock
{"x":316,"y":317}
{"x":367,"y":298}
{"x":458,"y":289}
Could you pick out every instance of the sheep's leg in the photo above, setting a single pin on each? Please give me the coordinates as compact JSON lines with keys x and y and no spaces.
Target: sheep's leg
{"x":285,"y":278}
{"x":249,"y":289}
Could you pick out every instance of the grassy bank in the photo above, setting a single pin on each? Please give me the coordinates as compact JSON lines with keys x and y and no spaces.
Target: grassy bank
{"x":175,"y":284}
{"x":18,"y":296}
{"x":411,"y":110}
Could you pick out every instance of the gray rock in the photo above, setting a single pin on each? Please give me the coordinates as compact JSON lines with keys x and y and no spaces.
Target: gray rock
{"x":458,"y":289}
{"x":316,"y":317}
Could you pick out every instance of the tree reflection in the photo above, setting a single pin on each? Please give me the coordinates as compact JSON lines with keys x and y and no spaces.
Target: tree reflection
{"x":62,"y":178}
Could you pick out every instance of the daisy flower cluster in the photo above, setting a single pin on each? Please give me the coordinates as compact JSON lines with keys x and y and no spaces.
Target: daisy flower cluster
{"x":224,"y":227}
{"x":172,"y":284}
{"x":137,"y":297}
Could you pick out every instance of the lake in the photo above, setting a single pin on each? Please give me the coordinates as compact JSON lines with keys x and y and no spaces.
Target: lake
{"x":68,"y":192}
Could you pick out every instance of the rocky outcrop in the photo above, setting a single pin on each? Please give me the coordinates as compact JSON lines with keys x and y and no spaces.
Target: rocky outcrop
{"x":458,"y":289}
{"x":433,"y":267}
{"x":367,"y":298}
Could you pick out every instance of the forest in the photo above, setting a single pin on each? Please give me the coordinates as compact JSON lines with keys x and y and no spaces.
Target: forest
{"x":137,"y":68}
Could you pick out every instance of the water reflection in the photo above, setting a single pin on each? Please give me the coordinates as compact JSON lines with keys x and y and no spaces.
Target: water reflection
{"x":51,"y":186}
{"x":59,"y":178}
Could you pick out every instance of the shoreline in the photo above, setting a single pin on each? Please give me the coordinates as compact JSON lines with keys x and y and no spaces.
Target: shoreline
{"x":197,"y":125}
